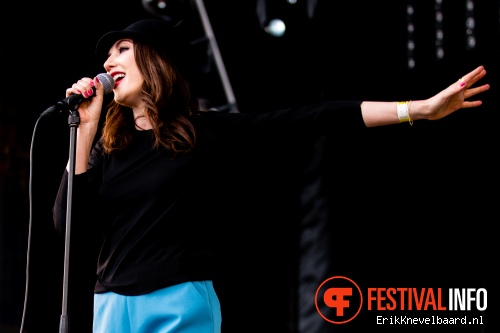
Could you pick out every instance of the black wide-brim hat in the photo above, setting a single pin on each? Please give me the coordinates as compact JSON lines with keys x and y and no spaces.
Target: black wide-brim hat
{"x":162,"y":35}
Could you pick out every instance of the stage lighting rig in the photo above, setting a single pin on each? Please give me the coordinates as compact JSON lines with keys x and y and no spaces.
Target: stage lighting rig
{"x":168,"y":10}
{"x":277,"y":17}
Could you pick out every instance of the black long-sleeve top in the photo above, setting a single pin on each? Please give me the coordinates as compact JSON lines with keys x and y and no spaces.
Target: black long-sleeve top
{"x":154,"y":212}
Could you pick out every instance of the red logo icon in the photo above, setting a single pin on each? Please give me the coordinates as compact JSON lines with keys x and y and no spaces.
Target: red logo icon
{"x":338,"y":300}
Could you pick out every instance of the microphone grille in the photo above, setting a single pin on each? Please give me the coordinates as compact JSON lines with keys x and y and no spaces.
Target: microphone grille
{"x":107,"y":82}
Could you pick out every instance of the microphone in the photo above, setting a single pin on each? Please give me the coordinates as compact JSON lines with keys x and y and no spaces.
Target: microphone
{"x":73,"y":101}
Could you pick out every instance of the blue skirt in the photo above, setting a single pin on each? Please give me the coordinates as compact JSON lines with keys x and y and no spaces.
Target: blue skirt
{"x":191,"y":307}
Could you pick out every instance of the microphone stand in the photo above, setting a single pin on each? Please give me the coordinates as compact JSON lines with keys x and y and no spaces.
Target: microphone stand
{"x":73,"y":122}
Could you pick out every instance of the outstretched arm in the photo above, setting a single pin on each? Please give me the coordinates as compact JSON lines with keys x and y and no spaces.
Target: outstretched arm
{"x":438,"y":106}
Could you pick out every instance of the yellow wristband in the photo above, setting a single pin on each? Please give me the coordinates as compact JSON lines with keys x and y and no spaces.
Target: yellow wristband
{"x":404,"y":112}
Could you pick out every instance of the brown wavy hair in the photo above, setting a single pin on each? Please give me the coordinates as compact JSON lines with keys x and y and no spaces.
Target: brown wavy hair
{"x":169,"y":106}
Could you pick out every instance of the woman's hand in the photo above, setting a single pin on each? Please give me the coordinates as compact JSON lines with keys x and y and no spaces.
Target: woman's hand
{"x":90,"y":113}
{"x":93,"y":91}
{"x":452,"y":98}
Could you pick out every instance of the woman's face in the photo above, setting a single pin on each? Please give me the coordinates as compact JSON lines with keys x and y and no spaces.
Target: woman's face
{"x":122,"y":67}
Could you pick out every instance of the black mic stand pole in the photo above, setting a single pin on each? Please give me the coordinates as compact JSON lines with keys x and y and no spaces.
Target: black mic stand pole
{"x":73,"y":122}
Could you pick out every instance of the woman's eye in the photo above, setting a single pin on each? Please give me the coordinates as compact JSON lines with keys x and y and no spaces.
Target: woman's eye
{"x":122,"y":49}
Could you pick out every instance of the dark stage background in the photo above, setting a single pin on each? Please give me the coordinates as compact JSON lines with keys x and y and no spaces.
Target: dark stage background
{"x":395,"y":206}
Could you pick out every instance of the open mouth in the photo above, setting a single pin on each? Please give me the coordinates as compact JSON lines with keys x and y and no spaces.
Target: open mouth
{"x":118,"y":77}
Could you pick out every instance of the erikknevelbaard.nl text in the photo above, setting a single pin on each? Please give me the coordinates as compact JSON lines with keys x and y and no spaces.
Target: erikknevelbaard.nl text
{"x":431,"y":320}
